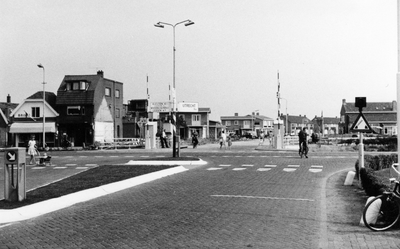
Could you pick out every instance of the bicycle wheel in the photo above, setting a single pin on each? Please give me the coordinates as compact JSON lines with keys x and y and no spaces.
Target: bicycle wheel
{"x":381,"y":213}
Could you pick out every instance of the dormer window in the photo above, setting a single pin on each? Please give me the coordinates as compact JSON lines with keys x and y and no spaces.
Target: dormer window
{"x":77,"y":86}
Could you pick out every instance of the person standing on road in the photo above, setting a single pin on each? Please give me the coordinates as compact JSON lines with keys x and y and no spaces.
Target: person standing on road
{"x":164,"y":139}
{"x":195,"y":140}
{"x":223,"y":140}
{"x":32,"y":151}
{"x":303,"y":147}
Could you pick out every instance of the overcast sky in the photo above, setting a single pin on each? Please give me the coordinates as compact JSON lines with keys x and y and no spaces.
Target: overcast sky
{"x":324,"y":50}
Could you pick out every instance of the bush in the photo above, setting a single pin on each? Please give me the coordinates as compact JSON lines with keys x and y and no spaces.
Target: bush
{"x":377,"y":162}
{"x":371,"y":183}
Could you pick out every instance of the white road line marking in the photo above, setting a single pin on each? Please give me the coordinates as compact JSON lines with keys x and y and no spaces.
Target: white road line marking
{"x":293,"y":166}
{"x":81,"y":167}
{"x":224,"y":165}
{"x":263,"y":197}
{"x":289,"y":169}
{"x":238,"y":169}
{"x":263,"y":169}
{"x":91,"y":164}
{"x":70,"y":164}
{"x":315,"y":170}
{"x":316,"y":166}
{"x":247,"y":165}
{"x":270,"y":166}
{"x":38,"y":167}
{"x":214,"y":168}
{"x":60,"y":167}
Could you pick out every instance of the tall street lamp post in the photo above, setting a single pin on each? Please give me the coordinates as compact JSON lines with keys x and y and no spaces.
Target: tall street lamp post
{"x":175,"y":137}
{"x":44,"y":101}
{"x":286,"y":119}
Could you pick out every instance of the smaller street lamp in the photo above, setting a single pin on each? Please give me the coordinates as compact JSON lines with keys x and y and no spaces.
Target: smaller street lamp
{"x":44,"y":101}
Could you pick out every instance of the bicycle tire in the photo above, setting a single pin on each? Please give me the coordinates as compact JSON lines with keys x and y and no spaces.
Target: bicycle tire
{"x":381,"y":213}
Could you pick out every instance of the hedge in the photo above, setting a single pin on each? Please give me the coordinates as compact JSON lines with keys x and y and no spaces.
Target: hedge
{"x":377,"y":162}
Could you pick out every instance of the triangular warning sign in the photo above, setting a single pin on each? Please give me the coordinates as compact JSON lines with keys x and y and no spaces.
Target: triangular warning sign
{"x":361,"y":124}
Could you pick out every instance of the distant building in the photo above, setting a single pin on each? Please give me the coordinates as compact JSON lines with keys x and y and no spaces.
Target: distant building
{"x":242,"y":125}
{"x":293,"y":124}
{"x":191,"y":121}
{"x":381,"y":116}
{"x":329,"y":125}
{"x":135,"y":110}
{"x":90,"y":108}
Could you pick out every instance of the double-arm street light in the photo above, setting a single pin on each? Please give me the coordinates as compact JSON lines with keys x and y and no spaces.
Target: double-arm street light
{"x":44,"y":101}
{"x":175,"y":137}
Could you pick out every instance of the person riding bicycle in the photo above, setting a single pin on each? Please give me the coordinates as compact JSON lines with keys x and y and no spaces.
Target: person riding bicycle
{"x":303,"y":147}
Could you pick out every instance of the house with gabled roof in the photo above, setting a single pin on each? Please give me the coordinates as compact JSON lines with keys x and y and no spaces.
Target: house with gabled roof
{"x":27,"y":120}
{"x":381,"y":116}
{"x":90,"y":108}
{"x":6,"y":109}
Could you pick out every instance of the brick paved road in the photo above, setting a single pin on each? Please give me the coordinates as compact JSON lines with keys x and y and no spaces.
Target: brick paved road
{"x":201,"y":208}
{"x":239,"y":200}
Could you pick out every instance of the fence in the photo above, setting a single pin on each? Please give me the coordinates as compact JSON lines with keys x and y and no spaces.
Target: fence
{"x":122,"y":143}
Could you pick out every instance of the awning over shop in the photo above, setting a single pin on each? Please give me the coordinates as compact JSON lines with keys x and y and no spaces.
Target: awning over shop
{"x":33,"y":127}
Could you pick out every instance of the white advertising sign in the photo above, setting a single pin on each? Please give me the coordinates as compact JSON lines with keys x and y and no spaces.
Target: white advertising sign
{"x":160,"y":107}
{"x":188,"y":107}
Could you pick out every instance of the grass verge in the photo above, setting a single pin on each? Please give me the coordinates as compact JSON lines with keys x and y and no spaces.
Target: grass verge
{"x":91,"y":178}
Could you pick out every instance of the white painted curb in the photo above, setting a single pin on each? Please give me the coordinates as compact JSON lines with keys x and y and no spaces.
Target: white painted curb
{"x":148,"y":162}
{"x":40,"y":208}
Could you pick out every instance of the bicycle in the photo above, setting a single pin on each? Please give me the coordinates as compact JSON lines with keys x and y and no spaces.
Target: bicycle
{"x":383,"y":212}
{"x":303,"y":151}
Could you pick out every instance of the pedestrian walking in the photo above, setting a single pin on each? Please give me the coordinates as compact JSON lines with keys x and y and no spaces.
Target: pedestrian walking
{"x":32,"y":150}
{"x":223,"y":140}
{"x":229,"y":140}
{"x":195,"y":140}
{"x":303,"y":147}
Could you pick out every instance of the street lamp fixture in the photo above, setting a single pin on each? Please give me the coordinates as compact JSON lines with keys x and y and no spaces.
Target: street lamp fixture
{"x":175,"y":138}
{"x":44,"y":101}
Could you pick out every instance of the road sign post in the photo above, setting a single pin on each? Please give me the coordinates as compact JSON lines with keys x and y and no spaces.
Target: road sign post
{"x":14,"y":174}
{"x":361,"y":126}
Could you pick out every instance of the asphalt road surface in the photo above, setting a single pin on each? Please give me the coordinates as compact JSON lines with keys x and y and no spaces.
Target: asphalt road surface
{"x":243,"y":198}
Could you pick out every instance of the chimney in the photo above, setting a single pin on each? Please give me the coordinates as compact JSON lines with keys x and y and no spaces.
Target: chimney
{"x":343,"y":101}
{"x":236,"y":114}
{"x":8,"y":99}
{"x":258,"y":114}
{"x":101,"y":73}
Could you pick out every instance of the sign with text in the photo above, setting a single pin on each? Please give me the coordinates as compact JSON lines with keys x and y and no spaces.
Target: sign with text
{"x":188,"y":107}
{"x":160,"y":107}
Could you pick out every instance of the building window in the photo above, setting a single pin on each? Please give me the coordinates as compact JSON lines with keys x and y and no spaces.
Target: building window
{"x":246,"y":122}
{"x":73,"y":110}
{"x":108,"y":92}
{"x":196,"y":118}
{"x":236,"y":122}
{"x":84,"y":85}
{"x":228,"y":123}
{"x":117,"y":112}
{"x":117,"y":94}
{"x":75,"y":86}
{"x":35,"y":112}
